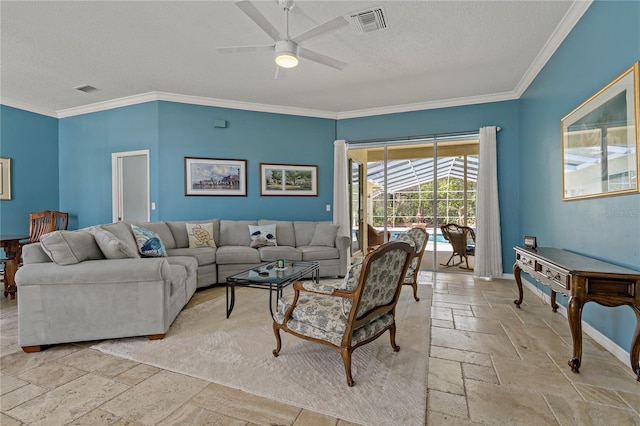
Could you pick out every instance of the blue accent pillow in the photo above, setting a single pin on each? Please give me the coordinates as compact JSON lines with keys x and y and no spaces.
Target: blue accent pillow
{"x":149,"y":243}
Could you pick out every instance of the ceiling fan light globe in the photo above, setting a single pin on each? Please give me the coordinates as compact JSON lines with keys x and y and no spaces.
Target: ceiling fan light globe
{"x":286,"y":60}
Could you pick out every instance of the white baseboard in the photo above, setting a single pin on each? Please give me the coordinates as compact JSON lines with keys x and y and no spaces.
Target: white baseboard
{"x":600,"y":338}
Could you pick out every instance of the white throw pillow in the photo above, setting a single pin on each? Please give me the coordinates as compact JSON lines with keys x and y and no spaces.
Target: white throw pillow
{"x":200,"y":235}
{"x":261,"y":236}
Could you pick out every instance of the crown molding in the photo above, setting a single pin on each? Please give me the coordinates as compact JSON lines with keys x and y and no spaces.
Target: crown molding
{"x":193,"y":100}
{"x":446,"y":103}
{"x":570,"y":19}
{"x":28,"y":107}
{"x":107,"y":105}
{"x":247,"y":106}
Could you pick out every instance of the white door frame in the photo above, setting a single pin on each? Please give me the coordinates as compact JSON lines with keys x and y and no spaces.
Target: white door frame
{"x":116,"y":193}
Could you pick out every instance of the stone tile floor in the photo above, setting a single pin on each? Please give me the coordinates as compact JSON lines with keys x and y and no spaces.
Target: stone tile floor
{"x":490,"y":363}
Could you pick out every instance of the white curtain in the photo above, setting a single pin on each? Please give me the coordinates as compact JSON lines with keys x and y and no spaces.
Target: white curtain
{"x":341,"y":187}
{"x":488,"y":258}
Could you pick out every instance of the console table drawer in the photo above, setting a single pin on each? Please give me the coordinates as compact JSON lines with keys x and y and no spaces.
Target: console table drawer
{"x":554,"y":274}
{"x":525,"y":261}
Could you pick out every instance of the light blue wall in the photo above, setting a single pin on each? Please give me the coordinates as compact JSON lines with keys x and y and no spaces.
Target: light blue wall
{"x":31,"y":142}
{"x":86,"y":144}
{"x":606,"y":228}
{"x":188,"y":130}
{"x":502,"y":114}
{"x":172,"y":131}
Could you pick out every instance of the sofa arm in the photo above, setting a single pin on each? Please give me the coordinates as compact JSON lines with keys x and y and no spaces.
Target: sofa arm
{"x":94,"y":300}
{"x":343,"y":243}
{"x":94,"y":272}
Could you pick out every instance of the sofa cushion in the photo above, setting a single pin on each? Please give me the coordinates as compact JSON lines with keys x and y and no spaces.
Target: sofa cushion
{"x":304,"y":231}
{"x":284,"y":231}
{"x":123,"y":232}
{"x":235,"y":232}
{"x":269,"y":254}
{"x":204,"y":255}
{"x":162,"y":230}
{"x":200,"y":235}
{"x":111,"y":246}
{"x":33,"y":253}
{"x":324,"y":235}
{"x":226,"y":255}
{"x":70,"y":247}
{"x":262,"y":236}
{"x":311,"y":253}
{"x":149,"y":243}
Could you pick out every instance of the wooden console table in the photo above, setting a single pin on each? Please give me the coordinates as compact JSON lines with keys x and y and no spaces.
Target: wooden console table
{"x":11,"y":246}
{"x":583,"y":279}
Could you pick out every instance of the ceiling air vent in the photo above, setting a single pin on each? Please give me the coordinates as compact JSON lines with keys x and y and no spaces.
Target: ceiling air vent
{"x":86,"y":88}
{"x":369,"y":20}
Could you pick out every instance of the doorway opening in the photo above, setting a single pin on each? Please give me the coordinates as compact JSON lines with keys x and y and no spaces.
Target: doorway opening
{"x":130,"y":186}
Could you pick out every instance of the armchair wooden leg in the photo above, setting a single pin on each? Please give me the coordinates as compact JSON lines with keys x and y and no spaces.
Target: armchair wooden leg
{"x":346,"y":359}
{"x":414,"y":285}
{"x":32,"y":349}
{"x":276,"y":331}
{"x":392,"y":335}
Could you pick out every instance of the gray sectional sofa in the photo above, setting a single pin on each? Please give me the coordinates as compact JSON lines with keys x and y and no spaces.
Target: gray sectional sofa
{"x":93,"y":283}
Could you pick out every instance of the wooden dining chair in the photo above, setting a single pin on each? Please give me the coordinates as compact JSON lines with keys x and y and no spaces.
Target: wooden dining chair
{"x":60,"y":220}
{"x":41,"y":223}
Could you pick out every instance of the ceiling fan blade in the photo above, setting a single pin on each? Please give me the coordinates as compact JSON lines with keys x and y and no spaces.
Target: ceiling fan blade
{"x":321,"y":59}
{"x":250,"y":10}
{"x":322,"y":29}
{"x":244,"y":49}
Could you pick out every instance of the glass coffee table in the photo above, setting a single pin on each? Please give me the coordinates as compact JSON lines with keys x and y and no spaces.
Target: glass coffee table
{"x":269,"y":277}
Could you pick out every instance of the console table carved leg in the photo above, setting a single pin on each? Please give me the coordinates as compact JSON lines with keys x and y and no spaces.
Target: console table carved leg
{"x":516,"y":273}
{"x":634,"y":353}
{"x":554,"y":305}
{"x":574,"y":314}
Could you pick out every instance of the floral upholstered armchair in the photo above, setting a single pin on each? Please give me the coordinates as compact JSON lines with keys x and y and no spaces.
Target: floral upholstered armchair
{"x":351,"y":314}
{"x":417,"y":238}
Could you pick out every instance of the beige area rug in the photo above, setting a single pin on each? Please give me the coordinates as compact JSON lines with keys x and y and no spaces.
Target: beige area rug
{"x":390,"y":387}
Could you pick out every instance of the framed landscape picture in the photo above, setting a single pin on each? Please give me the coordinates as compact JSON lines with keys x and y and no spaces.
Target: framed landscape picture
{"x":215,"y":176}
{"x":288,"y":179}
{"x":5,"y":178}
{"x":600,"y":140}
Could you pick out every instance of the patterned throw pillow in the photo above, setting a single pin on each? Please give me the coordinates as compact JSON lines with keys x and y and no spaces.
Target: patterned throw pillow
{"x":149,"y":244}
{"x":262,"y":236}
{"x":200,"y":235}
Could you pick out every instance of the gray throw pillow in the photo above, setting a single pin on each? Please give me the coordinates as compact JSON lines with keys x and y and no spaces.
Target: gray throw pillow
{"x":324,"y":235}
{"x":70,"y":247}
{"x":111,"y":246}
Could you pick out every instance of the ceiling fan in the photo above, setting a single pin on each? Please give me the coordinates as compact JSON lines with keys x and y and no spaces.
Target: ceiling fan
{"x":288,"y":49}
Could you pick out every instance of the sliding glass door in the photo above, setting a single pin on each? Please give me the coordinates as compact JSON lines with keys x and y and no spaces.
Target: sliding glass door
{"x":397,"y":186}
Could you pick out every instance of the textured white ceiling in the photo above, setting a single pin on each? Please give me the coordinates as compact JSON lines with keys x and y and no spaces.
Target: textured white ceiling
{"x":433,"y":52}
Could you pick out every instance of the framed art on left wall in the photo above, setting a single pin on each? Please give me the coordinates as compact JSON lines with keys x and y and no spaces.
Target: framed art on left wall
{"x":215,"y":176}
{"x":5,"y":178}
